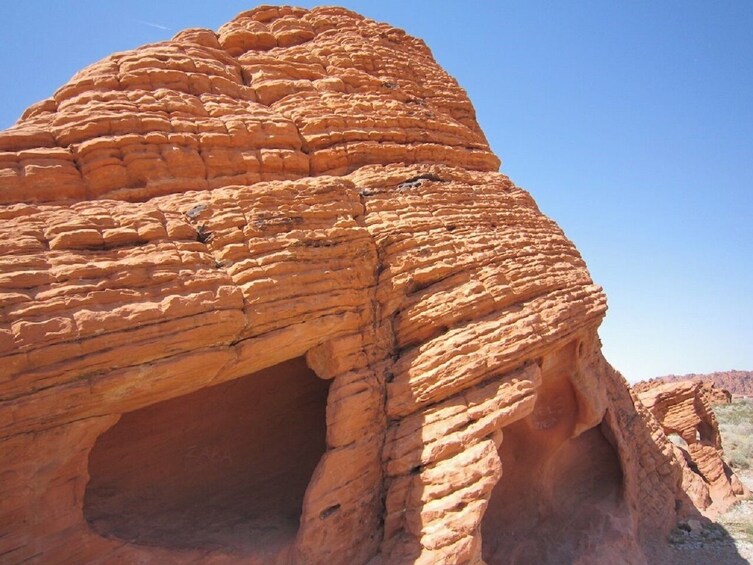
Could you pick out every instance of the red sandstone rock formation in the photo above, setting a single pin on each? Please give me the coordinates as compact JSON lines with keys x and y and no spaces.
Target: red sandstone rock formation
{"x":715,"y":394}
{"x":738,"y":383}
{"x":264,"y":298}
{"x":684,"y":411}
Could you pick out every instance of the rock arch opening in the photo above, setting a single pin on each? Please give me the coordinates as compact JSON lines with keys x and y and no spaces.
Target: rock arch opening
{"x":706,"y":434}
{"x":225,"y":467}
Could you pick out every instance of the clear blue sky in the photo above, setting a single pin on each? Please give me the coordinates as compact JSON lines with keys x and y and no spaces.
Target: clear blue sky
{"x":631,"y":123}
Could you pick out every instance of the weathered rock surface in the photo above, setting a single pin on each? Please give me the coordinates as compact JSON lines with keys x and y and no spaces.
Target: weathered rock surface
{"x":684,"y":411}
{"x":738,"y":383}
{"x":264,"y":298}
{"x":716,"y":395}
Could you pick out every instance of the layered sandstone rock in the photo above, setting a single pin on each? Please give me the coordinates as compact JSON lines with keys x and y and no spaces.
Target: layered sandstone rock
{"x":684,"y":411}
{"x":716,"y":395}
{"x":264,"y":298}
{"x":738,"y":383}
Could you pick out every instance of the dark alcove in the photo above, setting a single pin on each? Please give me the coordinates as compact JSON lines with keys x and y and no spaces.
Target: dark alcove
{"x":225,"y":467}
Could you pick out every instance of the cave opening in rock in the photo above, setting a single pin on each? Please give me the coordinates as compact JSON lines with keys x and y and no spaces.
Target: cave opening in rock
{"x":706,"y":433}
{"x":225,"y":467}
{"x":553,"y":503}
{"x":561,"y":493}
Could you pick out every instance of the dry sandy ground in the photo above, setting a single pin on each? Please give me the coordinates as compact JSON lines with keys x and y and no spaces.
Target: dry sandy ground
{"x":728,"y":542}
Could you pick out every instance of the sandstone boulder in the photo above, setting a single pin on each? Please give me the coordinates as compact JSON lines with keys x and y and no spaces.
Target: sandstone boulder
{"x":265,"y":298}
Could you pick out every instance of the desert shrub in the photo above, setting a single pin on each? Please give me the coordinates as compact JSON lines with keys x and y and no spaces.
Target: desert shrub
{"x":738,"y":461}
{"x":736,"y":426}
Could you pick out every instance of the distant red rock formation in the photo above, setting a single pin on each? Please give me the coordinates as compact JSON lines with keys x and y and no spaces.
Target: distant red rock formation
{"x":739,"y":383}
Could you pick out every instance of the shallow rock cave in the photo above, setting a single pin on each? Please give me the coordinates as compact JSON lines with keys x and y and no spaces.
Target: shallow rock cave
{"x":225,"y":467}
{"x":561,"y":495}
{"x":543,"y":517}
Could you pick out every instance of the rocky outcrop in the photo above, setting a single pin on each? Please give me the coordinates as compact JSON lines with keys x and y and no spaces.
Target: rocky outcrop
{"x":738,"y":383}
{"x":715,"y":394}
{"x":684,"y":411}
{"x":273,"y":95}
{"x":264,"y":298}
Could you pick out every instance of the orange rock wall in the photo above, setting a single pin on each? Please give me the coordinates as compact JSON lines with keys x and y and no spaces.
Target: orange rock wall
{"x":307,"y":183}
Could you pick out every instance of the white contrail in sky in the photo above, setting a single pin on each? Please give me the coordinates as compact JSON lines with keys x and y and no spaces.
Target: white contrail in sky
{"x":152,"y":24}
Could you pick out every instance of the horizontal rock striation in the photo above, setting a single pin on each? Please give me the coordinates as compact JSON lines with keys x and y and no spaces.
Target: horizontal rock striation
{"x":684,"y":411}
{"x":276,"y":94}
{"x":197,"y":232}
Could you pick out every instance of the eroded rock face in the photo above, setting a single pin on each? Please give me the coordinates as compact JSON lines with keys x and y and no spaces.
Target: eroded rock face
{"x":684,"y":411}
{"x":716,"y":395}
{"x":737,"y":383}
{"x":218,"y":247}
